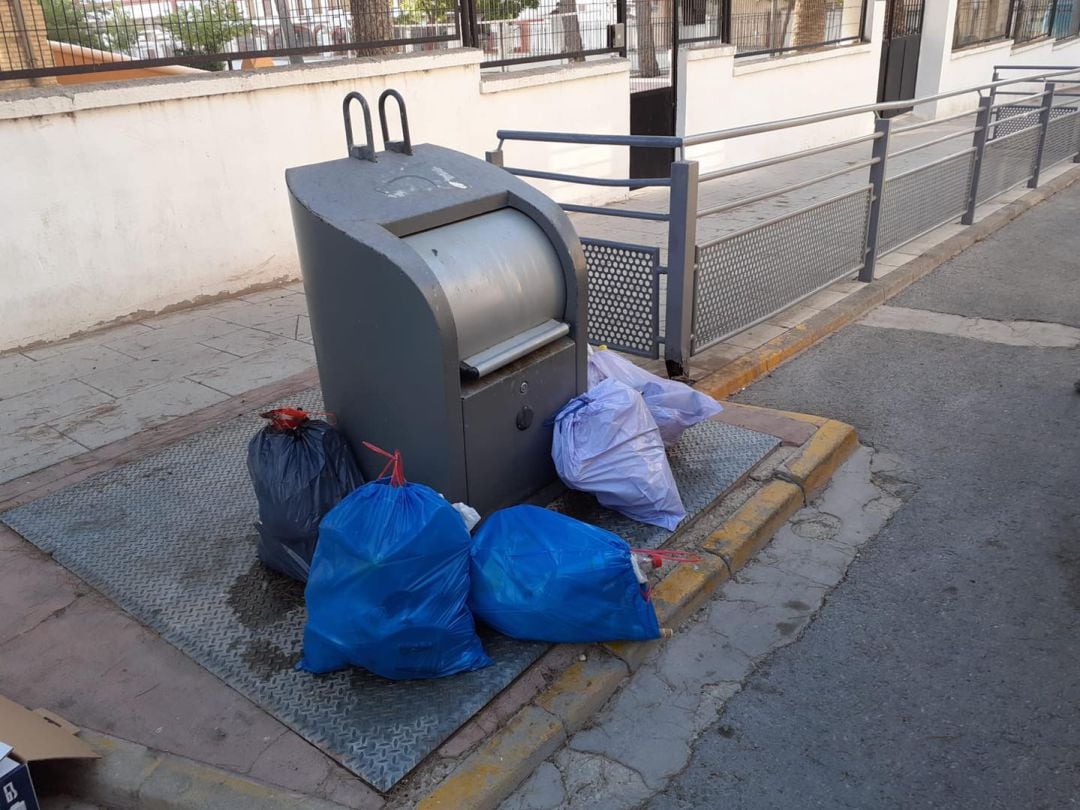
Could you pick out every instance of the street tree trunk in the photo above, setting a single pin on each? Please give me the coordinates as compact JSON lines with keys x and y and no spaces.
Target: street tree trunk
{"x":570,"y":27}
{"x":372,"y":21}
{"x":287,"y":31}
{"x":646,"y":42}
{"x":810,"y":17}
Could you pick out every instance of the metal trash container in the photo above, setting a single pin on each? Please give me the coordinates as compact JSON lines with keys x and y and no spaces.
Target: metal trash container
{"x":447,"y":303}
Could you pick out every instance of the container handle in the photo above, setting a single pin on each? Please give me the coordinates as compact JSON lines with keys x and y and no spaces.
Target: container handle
{"x":366,"y":152}
{"x":403,"y":146}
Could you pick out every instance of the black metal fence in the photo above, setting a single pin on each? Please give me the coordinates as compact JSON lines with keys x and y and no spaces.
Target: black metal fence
{"x":79,"y":36}
{"x":513,"y":32}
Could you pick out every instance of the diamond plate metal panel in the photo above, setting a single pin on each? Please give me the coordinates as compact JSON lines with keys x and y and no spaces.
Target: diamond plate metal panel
{"x":711,"y":456}
{"x":624,"y":296}
{"x":1062,"y":136}
{"x":170,"y":539}
{"x":924,"y":198}
{"x":1007,"y":161}
{"x":744,"y":277}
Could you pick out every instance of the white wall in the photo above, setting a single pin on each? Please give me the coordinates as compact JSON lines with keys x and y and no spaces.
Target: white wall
{"x":721,"y":92}
{"x":134,"y":197}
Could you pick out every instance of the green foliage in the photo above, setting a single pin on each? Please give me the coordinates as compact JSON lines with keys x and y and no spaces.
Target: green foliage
{"x":103,"y":26}
{"x":206,"y":28}
{"x":503,"y":9}
{"x":421,"y":12}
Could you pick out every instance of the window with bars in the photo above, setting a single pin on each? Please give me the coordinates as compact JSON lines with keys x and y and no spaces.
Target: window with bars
{"x":982,"y":21}
{"x":1066,"y":19}
{"x":1032,"y":19}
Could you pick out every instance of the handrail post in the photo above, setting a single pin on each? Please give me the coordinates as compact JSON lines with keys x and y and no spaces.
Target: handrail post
{"x":880,"y":153}
{"x":993,"y":100}
{"x":982,"y":132}
{"x":1044,"y":121}
{"x":681,"y":265}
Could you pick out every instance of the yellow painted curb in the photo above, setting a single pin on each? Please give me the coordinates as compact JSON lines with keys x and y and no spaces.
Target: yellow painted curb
{"x":582,"y":688}
{"x":493,"y":772}
{"x":827,"y":449}
{"x":745,"y":532}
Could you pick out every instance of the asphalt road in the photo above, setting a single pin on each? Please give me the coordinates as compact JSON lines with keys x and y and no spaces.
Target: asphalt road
{"x":945,"y":670}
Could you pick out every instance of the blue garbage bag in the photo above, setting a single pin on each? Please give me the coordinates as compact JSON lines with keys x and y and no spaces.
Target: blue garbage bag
{"x":389,"y":585}
{"x":674,"y":406}
{"x":607,"y":443}
{"x":542,"y":576}
{"x":300,"y":468}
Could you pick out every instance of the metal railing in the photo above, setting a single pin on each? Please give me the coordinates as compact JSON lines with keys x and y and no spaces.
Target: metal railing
{"x":726,"y":263}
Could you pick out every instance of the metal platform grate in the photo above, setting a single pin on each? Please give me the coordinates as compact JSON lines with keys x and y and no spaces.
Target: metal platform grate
{"x":1008,"y":161}
{"x":920,"y":200}
{"x":624,"y":296}
{"x":170,"y":539}
{"x":744,"y":277}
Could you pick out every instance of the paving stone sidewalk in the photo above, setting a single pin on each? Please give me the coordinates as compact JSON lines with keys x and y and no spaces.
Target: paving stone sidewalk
{"x":644,"y":736}
{"x":65,"y":398}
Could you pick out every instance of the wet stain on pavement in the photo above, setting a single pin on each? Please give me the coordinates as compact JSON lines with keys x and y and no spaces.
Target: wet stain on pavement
{"x":260,"y":597}
{"x":266,"y":659}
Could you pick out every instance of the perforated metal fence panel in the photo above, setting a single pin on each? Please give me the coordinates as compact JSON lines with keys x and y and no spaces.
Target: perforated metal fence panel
{"x":1017,"y":124}
{"x":624,"y":296}
{"x":920,"y":200}
{"x":1062,"y":136}
{"x":1008,"y":161}
{"x":747,"y":276}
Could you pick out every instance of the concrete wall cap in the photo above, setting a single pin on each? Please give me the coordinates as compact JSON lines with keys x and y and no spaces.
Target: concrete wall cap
{"x":518,"y":79}
{"x":61,"y":100}
{"x":797,"y":59}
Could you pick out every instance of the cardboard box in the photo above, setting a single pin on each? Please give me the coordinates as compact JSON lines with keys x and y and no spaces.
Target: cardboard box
{"x":27,"y":737}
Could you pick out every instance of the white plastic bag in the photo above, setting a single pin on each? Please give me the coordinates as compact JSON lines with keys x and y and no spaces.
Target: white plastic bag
{"x":607,"y":443}
{"x":674,"y":405}
{"x":468,"y":514}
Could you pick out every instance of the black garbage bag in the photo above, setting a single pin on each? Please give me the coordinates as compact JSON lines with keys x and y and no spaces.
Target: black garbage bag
{"x":300,"y":468}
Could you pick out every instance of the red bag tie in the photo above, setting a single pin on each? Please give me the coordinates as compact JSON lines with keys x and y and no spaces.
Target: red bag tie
{"x":396,"y":465}
{"x":286,"y":418}
{"x":659,"y":556}
{"x":292,"y":418}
